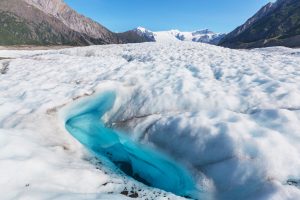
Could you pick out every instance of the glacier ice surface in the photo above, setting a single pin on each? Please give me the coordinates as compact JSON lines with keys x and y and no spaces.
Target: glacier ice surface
{"x":229,"y":116}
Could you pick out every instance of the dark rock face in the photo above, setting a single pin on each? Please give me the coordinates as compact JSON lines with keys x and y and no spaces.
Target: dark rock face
{"x":52,"y":22}
{"x":276,"y":24}
{"x":136,"y":36}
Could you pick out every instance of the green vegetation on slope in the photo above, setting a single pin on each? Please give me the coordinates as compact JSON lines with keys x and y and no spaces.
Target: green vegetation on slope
{"x":14,"y":30}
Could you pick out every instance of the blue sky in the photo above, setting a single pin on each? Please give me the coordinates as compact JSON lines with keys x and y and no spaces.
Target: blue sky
{"x":185,"y":15}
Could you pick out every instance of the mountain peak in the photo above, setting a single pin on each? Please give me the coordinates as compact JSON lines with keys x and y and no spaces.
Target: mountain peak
{"x":142,"y":29}
{"x":204,"y":31}
{"x":52,"y":7}
{"x":275,"y":24}
{"x":60,"y":10}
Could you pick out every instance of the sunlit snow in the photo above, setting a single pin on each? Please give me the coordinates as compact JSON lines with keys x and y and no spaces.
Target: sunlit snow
{"x":230,"y":117}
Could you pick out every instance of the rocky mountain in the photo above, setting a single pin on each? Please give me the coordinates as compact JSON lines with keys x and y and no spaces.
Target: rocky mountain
{"x":276,"y":24}
{"x":137,"y":35}
{"x":52,"y":22}
{"x":73,"y":20}
{"x":23,"y":24}
{"x":145,"y":33}
{"x":204,"y":36}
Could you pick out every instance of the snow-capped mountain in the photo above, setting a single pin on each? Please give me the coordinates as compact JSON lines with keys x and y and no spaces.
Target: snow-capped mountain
{"x":147,"y":34}
{"x":204,"y":36}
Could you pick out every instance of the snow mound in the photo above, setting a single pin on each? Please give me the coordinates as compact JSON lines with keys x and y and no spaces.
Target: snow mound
{"x":231,"y":117}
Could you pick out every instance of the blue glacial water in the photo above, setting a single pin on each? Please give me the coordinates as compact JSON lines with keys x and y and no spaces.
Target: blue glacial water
{"x":142,"y":163}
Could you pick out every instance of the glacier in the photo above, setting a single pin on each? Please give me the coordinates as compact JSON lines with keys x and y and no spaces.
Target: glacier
{"x":229,"y":117}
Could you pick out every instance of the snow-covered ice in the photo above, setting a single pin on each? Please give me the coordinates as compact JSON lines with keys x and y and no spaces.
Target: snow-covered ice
{"x":231,"y":117}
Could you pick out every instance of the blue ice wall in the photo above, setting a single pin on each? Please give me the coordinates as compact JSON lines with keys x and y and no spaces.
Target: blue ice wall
{"x":142,"y":163}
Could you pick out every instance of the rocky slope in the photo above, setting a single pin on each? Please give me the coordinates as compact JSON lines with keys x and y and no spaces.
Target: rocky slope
{"x":134,"y":36}
{"x":24,"y":24}
{"x":73,"y":20}
{"x":52,"y":22}
{"x":276,"y":24}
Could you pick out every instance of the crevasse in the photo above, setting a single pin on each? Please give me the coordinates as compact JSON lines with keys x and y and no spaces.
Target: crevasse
{"x":142,"y":163}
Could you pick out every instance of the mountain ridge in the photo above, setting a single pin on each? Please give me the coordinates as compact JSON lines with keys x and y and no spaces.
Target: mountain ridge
{"x":275,"y":24}
{"x":53,"y":22}
{"x":75,"y":21}
{"x":24,"y":24}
